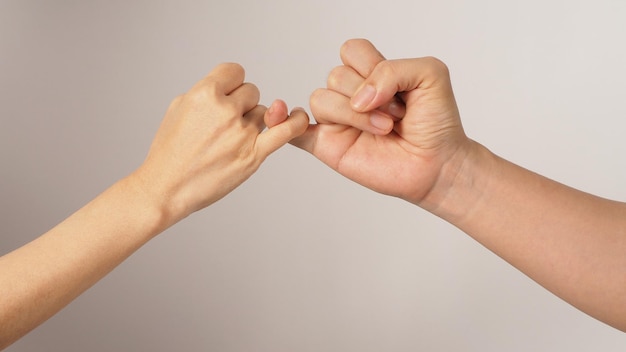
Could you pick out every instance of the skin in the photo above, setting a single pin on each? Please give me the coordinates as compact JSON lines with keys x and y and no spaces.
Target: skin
{"x":378,"y":120}
{"x":211,"y":140}
{"x":394,"y":127}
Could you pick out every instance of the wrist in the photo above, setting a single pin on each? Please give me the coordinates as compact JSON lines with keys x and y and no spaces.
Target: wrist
{"x":155,"y":211}
{"x":458,"y":190}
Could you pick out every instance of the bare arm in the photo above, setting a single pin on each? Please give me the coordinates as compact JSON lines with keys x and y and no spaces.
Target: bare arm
{"x":42,"y":277}
{"x":572,"y":243}
{"x":210,"y":141}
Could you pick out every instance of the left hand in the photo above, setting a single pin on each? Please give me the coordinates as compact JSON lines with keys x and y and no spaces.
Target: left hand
{"x":211,"y":140}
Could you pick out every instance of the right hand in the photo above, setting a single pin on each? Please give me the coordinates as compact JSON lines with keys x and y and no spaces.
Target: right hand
{"x":358,"y":135}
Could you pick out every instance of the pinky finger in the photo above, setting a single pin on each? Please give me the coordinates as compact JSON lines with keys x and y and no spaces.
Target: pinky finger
{"x":278,"y":135}
{"x":276,"y":114}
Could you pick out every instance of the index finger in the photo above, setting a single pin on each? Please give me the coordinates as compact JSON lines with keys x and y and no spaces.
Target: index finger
{"x":361,"y":55}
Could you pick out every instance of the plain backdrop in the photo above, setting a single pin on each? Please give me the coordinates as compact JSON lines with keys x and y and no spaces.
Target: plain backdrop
{"x":299,"y":258}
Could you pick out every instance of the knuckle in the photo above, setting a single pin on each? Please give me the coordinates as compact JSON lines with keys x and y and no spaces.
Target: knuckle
{"x":232,"y":67}
{"x":350,"y":44}
{"x":202,"y":94}
{"x":336,"y":77}
{"x":316,"y":99}
{"x":255,"y":93}
{"x":436,"y":66}
{"x":176,"y":102}
{"x":297,"y":124}
{"x":229,"y":109}
{"x":385,"y":68}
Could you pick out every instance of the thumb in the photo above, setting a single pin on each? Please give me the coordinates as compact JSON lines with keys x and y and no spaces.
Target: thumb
{"x":390,"y":77}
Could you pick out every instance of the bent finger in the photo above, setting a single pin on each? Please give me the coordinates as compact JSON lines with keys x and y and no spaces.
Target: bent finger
{"x":245,"y":97}
{"x":345,"y":80}
{"x":329,"y":107}
{"x":277,"y":136}
{"x":224,"y":78}
{"x":276,"y":113}
{"x":361,"y":55}
{"x":397,"y":76}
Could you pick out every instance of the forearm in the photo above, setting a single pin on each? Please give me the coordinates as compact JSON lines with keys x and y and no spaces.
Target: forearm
{"x":211,"y":139}
{"x":570,"y":242}
{"x":40,"y":278}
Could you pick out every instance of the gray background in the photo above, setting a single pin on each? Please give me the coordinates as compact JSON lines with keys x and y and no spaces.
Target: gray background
{"x":299,"y":258}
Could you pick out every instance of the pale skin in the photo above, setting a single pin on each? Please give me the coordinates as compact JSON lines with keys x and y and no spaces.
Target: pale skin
{"x":394,"y":127}
{"x":211,"y":140}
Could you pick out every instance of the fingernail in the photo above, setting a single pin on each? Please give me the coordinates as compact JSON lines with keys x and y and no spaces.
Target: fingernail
{"x":271,"y":108}
{"x":297,"y":108}
{"x":396,"y":109}
{"x":380,"y":121}
{"x":363,"y":97}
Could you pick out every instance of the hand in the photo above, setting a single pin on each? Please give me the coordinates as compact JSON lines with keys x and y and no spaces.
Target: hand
{"x":211,"y":140}
{"x":390,"y":125}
